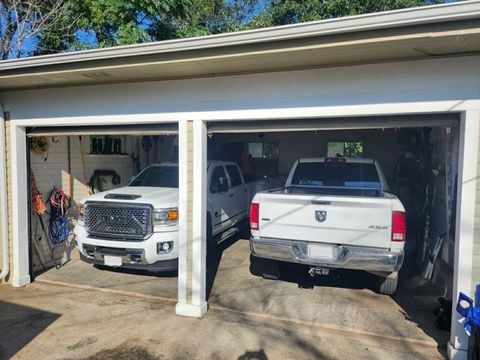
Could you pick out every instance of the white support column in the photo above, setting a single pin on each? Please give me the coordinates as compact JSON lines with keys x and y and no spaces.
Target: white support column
{"x":182,"y":212}
{"x":192,"y":212}
{"x":20,"y":266}
{"x":199,"y":265}
{"x":466,"y":194}
{"x":5,"y":241}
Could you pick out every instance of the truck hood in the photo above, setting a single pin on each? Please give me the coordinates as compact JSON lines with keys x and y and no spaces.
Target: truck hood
{"x":156,"y":196}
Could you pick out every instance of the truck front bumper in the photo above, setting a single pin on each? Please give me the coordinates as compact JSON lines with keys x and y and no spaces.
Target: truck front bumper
{"x":344,"y":256}
{"x":141,"y":255}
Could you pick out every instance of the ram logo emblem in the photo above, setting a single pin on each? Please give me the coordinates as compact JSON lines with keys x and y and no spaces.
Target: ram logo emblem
{"x":320,"y":215}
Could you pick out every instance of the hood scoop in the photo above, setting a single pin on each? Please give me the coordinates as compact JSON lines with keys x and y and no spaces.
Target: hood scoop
{"x":122,"y":196}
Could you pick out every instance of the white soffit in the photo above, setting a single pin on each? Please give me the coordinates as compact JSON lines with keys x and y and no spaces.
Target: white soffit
{"x":424,"y":32}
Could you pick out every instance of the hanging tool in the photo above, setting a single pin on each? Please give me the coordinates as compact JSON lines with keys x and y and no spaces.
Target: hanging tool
{"x":433,"y":251}
{"x":39,"y":208}
{"x":69,"y":167}
{"x":84,"y":171}
{"x":58,"y":225}
{"x":40,"y":146}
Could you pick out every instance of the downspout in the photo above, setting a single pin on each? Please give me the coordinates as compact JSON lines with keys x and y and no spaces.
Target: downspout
{"x":3,"y":199}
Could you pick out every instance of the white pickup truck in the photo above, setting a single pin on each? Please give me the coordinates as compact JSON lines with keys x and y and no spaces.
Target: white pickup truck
{"x":332,"y":213}
{"x":137,"y":226}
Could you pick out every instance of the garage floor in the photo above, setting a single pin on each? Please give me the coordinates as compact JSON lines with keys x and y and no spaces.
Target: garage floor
{"x":339,"y":302}
{"x":80,"y":274}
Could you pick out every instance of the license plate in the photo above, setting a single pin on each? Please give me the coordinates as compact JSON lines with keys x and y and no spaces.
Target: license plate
{"x":112,"y":260}
{"x":325,"y":252}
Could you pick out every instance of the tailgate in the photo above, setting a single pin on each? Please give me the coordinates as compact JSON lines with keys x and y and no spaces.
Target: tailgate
{"x":362,"y":221}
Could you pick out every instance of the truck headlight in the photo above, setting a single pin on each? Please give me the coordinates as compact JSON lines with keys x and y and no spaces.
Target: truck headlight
{"x":165,"y":216}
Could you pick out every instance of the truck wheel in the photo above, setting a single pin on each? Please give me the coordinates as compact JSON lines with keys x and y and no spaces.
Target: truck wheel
{"x":266,"y":268}
{"x":388,"y":285}
{"x":212,"y":250}
{"x":209,"y":227}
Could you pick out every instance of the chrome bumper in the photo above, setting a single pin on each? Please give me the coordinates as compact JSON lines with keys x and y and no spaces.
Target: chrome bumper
{"x":345,"y":257}
{"x":131,"y":258}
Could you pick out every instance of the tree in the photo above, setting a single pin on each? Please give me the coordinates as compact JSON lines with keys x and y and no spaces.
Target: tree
{"x":69,"y":25}
{"x":104,"y":23}
{"x":205,"y":17}
{"x":22,"y":20}
{"x":283,"y":12}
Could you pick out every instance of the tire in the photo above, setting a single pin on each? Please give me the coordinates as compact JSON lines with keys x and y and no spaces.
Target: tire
{"x":211,"y":245}
{"x":266,"y":268}
{"x":209,"y":227}
{"x":388,"y":285}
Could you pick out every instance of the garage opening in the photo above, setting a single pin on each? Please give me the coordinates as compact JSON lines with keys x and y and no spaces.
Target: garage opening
{"x":418,"y":156}
{"x":71,"y":165}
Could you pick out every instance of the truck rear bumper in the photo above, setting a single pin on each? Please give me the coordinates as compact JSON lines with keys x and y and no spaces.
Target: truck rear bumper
{"x":344,"y":256}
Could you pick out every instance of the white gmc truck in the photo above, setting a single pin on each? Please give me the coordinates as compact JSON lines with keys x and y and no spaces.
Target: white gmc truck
{"x":137,"y":226}
{"x":332,"y":213}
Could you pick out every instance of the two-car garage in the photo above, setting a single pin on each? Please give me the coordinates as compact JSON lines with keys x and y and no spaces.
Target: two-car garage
{"x":417,"y":118}
{"x":418,"y":154}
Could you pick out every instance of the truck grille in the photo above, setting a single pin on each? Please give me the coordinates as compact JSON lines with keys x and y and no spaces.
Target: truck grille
{"x":118,"y":220}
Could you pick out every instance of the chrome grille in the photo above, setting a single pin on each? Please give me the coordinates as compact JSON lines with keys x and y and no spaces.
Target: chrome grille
{"x":118,"y":220}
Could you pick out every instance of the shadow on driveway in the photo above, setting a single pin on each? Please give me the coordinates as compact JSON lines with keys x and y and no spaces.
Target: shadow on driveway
{"x":20,"y":325}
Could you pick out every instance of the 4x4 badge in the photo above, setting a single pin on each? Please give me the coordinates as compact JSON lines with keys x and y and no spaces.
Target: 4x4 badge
{"x":320,"y":215}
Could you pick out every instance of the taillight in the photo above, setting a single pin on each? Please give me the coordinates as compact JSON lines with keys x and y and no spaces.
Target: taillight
{"x":399,"y":226}
{"x":254,"y":213}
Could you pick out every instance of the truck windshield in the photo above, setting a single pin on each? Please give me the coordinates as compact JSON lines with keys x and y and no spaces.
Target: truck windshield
{"x":336,"y":175}
{"x":157,"y":176}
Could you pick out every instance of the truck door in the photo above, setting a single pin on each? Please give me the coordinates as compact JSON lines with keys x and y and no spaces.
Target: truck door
{"x":237,"y":194}
{"x":218,"y":194}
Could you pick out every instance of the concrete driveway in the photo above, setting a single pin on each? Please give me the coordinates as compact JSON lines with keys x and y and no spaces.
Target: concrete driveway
{"x":335,"y":317}
{"x":51,"y":322}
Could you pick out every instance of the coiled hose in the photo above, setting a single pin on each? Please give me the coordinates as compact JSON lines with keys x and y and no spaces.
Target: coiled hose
{"x":40,"y":146}
{"x":58,"y":225}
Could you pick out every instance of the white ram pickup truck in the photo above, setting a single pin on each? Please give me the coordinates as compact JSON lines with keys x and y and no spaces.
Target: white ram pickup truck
{"x":332,"y":213}
{"x":137,"y":226}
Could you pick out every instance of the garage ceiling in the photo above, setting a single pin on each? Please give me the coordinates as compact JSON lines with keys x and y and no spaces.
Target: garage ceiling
{"x":380,"y":122}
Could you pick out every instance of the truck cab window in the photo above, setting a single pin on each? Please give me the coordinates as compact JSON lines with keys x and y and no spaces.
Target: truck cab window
{"x":219,"y":181}
{"x":234,"y":174}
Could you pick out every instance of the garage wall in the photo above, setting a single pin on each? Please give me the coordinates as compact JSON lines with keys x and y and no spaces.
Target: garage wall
{"x":164,"y":149}
{"x":444,"y":155}
{"x":379,"y":144}
{"x":278,"y":94}
{"x":53,"y":172}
